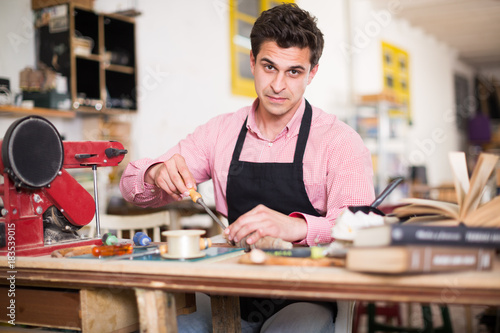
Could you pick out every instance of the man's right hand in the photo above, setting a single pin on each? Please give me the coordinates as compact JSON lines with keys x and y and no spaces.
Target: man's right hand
{"x":172,"y":176}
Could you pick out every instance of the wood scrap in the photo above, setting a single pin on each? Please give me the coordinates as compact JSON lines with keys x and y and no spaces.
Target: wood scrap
{"x":266,"y":242}
{"x":259,"y":257}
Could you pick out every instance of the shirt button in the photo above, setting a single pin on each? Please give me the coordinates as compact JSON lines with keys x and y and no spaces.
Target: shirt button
{"x":153,"y":190}
{"x":270,"y":144}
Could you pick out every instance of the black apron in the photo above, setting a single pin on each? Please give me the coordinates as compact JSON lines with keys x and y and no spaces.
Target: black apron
{"x":279,"y":186}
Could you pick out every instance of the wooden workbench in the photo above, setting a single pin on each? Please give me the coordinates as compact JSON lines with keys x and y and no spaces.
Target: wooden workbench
{"x":154,"y":282}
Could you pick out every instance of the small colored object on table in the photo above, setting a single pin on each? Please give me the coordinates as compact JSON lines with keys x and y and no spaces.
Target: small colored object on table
{"x":141,"y":239}
{"x":112,"y":250}
{"x":109,"y":239}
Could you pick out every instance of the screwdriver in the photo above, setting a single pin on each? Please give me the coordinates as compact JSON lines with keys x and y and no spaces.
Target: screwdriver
{"x":112,"y":250}
{"x":141,"y":239}
{"x":196,"y":197}
{"x":162,"y":249}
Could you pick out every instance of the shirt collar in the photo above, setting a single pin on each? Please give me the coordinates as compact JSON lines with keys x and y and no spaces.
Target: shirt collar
{"x":292,"y":128}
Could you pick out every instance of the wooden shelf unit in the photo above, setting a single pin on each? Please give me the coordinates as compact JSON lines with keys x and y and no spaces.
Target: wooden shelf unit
{"x":11,"y":109}
{"x":95,"y":51}
{"x":383,"y":126}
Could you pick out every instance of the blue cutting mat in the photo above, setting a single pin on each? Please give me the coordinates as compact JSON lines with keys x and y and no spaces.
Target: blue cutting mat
{"x":210,"y":253}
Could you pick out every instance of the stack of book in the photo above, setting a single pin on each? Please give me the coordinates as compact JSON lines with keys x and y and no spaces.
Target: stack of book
{"x":440,"y":236}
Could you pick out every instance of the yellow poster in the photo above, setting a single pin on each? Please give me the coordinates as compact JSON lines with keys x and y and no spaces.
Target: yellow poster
{"x":396,"y":76}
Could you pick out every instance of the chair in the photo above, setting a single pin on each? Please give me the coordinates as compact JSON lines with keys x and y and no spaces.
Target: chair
{"x":130,"y":223}
{"x":374,"y":326}
{"x":389,"y":311}
{"x":345,"y":315}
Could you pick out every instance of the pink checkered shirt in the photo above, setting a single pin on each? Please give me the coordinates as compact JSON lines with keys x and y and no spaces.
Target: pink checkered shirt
{"x":337,"y":165}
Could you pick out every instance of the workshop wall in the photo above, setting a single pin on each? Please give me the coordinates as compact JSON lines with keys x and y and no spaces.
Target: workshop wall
{"x":184,"y":73}
{"x":432,"y":65}
{"x":17,"y":39}
{"x":18,"y":51}
{"x":184,"y":68}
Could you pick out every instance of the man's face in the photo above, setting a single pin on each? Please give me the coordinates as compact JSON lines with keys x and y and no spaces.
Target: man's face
{"x":281,"y":77}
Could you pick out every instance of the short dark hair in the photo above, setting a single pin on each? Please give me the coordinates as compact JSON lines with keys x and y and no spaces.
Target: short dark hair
{"x":288,"y":26}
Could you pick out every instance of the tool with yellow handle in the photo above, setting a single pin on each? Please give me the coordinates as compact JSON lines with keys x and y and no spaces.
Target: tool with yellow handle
{"x":196,"y":197}
{"x":112,"y":250}
{"x":265,"y":242}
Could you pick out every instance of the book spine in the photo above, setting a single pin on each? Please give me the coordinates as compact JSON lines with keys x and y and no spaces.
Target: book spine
{"x":445,"y":236}
{"x":439,"y":259}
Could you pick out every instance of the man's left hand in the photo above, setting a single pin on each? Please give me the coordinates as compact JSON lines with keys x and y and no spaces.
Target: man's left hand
{"x":262,"y":221}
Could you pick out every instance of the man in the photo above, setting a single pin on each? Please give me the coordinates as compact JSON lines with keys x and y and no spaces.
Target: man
{"x":280,"y":167}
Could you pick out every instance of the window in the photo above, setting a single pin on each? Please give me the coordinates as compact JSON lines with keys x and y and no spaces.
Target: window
{"x":242,"y":15}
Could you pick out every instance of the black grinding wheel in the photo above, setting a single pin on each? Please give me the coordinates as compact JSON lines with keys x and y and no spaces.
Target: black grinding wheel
{"x":32,"y":152}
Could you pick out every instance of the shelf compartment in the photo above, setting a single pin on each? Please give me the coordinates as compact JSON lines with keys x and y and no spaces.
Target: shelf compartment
{"x":119,"y":41}
{"x":88,"y":76}
{"x":121,"y":90}
{"x":87,"y":27}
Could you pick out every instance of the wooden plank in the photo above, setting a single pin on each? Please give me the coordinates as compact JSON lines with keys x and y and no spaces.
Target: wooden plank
{"x":43,"y":307}
{"x":226,"y":314}
{"x":93,"y":57}
{"x":37,"y":111}
{"x":119,"y":68}
{"x":118,"y":16}
{"x":108,"y":310}
{"x":156,"y":311}
{"x":103,"y":96}
{"x":72,"y":57}
{"x":227,"y":278}
{"x":38,"y":4}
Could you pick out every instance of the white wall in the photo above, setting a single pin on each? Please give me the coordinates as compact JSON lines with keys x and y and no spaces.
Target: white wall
{"x":16,"y":38}
{"x":432,"y":65}
{"x":18,"y":49}
{"x":18,"y":52}
{"x":329,"y":89}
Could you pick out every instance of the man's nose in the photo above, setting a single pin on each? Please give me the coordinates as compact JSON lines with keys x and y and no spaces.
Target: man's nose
{"x":278,"y":83}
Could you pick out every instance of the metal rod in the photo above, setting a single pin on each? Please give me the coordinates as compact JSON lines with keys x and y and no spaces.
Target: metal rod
{"x":212,"y":215}
{"x":136,"y":255}
{"x":196,"y":197}
{"x":96,"y":198}
{"x":386,"y":192}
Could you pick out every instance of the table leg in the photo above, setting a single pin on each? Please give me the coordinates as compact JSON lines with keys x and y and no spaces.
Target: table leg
{"x":157,"y":311}
{"x":226,"y":314}
{"x":108,"y":310}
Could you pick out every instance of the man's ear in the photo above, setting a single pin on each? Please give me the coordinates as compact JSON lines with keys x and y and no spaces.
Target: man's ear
{"x":312,"y":73}
{"x":252,"y":62}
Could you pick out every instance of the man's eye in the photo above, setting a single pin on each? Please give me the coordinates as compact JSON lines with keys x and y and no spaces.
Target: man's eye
{"x":294,"y":72}
{"x":269,"y":67}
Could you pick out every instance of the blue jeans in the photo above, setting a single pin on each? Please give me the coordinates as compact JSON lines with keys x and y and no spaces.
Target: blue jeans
{"x":297,"y":317}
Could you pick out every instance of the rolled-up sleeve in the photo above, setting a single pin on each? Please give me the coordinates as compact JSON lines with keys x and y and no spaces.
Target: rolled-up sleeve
{"x":349,"y":183}
{"x":196,"y":149}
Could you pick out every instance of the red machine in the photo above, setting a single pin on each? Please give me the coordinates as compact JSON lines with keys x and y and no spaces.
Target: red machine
{"x":43,"y":205}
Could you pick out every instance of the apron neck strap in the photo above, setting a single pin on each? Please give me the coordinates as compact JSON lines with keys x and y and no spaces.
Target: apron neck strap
{"x":305,"y":127}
